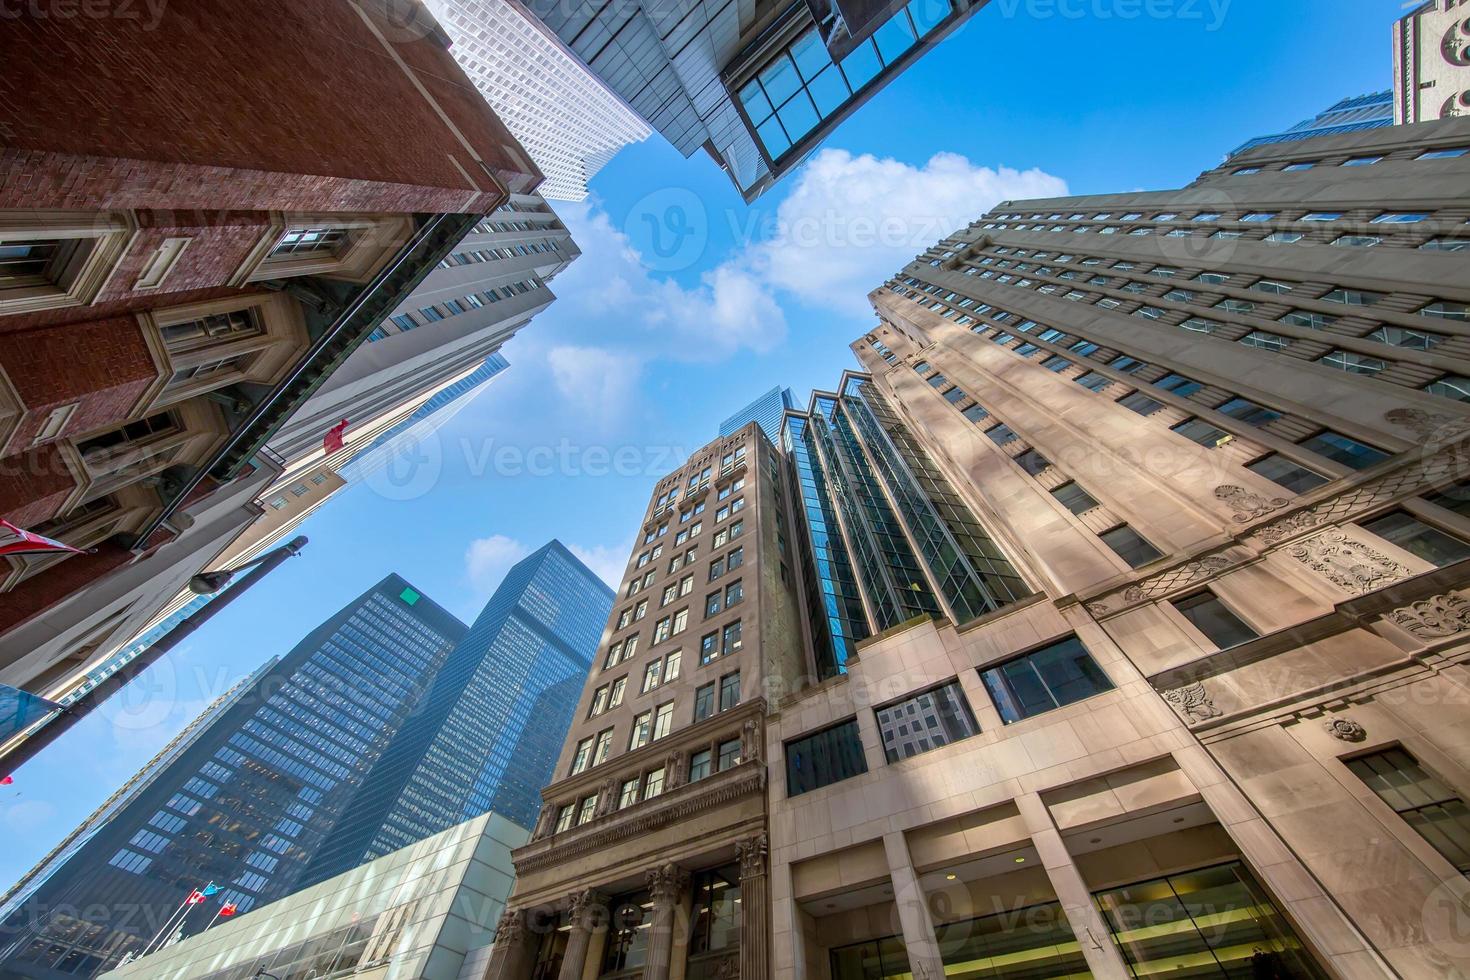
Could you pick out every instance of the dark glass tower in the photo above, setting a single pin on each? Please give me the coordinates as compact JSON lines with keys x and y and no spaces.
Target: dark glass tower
{"x":494,"y":720}
{"x":250,"y":799}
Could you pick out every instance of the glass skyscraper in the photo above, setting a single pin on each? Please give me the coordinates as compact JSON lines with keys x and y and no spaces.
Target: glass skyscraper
{"x":766,"y":411}
{"x":491,"y":726}
{"x":250,"y":799}
{"x":1372,"y":111}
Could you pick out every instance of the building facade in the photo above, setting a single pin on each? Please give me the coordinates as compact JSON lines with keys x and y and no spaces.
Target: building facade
{"x":489,"y":728}
{"x":178,"y":278}
{"x":1431,"y":62}
{"x":425,"y":912}
{"x":756,"y":86}
{"x":1370,"y":111}
{"x":1128,"y":580}
{"x":768,"y":411}
{"x":568,"y":121}
{"x":250,"y":799}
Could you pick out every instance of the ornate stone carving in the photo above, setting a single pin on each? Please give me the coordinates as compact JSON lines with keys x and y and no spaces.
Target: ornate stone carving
{"x":544,"y":821}
{"x":727,"y":968}
{"x":752,"y":851}
{"x":1346,"y":729}
{"x":1193,"y":700}
{"x":667,"y":882}
{"x":751,"y":747}
{"x":1348,"y":564}
{"x":1430,"y":426}
{"x":607,"y":797}
{"x":1437,"y":616}
{"x":1290,"y":524}
{"x":511,"y":929}
{"x":582,"y":906}
{"x":1246,"y":504}
{"x":676,"y":769}
{"x":1097,"y":608}
{"x":1175,"y":577}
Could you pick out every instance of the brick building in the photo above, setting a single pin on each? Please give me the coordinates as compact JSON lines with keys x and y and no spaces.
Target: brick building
{"x":190,"y":242}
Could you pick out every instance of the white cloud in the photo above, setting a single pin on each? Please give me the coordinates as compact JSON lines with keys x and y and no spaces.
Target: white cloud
{"x":607,"y":562}
{"x":26,"y":816}
{"x":849,"y":221}
{"x":487,"y":560}
{"x":597,"y":382}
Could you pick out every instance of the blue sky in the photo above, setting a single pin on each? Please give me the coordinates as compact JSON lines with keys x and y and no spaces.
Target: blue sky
{"x":1028,"y":99}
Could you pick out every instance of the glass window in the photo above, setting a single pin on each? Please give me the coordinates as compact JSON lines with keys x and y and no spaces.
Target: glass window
{"x":925,"y":721}
{"x":825,"y":757}
{"x":1140,"y":403}
{"x":876,"y":959}
{"x":1353,"y":363}
{"x":1280,"y":470}
{"x":1202,"y":432}
{"x":1074,"y":498}
{"x":1044,"y":679}
{"x":1179,"y":384}
{"x":1032,"y":462}
{"x":653,"y":784}
{"x":717,"y":915}
{"x":975,"y":413}
{"x":1130,"y":546}
{"x":699,"y":765}
{"x":1000,"y":434}
{"x":1248,"y":412}
{"x":1418,"y":538}
{"x":1023,"y":944}
{"x":1435,"y":812}
{"x":1212,"y":618}
{"x":728,"y":755}
{"x":704,"y":701}
{"x":1343,"y":449}
{"x":663,"y":720}
{"x":729,"y":691}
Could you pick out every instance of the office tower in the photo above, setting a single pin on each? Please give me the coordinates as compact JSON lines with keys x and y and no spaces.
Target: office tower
{"x":427,"y":911}
{"x":766,"y":411}
{"x":758,"y":88}
{"x":1139,"y":544}
{"x":250,"y":799}
{"x":1370,"y":111}
{"x":489,"y":728}
{"x":1431,"y":63}
{"x":563,"y":115}
{"x":188,"y":267}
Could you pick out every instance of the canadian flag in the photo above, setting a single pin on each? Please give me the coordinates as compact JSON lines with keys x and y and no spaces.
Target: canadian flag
{"x":195,"y":897}
{"x":332,"y":441}
{"x":18,"y":541}
{"x":227,"y":909}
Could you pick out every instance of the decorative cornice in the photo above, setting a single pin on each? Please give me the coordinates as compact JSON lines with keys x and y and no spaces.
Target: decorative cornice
{"x":1193,"y":702}
{"x":511,"y":929}
{"x":747,"y":778}
{"x":1347,"y":563}
{"x":667,"y":882}
{"x":1435,"y":617}
{"x":1163,"y":583}
{"x":1247,"y":504}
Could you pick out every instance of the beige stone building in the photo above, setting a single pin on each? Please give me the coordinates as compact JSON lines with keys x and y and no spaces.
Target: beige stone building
{"x":1108,"y":622}
{"x":1431,"y":61}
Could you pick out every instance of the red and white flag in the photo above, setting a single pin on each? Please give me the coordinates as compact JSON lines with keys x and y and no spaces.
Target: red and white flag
{"x":18,"y":541}
{"x":227,"y":909}
{"x":195,"y":897}
{"x":332,"y":441}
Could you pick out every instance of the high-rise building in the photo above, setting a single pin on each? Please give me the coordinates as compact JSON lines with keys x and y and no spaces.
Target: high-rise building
{"x":1370,"y":111}
{"x":488,"y":731}
{"x":248,"y":800}
{"x":1111,"y":619}
{"x":767,"y":411}
{"x":1431,"y":62}
{"x":756,"y":88}
{"x":568,"y":121}
{"x":183,"y":270}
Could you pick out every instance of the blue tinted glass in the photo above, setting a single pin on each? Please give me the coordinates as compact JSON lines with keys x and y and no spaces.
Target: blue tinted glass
{"x":810,"y":55}
{"x":757,"y":106}
{"x":780,"y":80}
{"x":928,"y":14}
{"x":829,"y":91}
{"x":861,"y":66}
{"x":773,"y":137}
{"x":894,"y":38}
{"x":799,"y":116}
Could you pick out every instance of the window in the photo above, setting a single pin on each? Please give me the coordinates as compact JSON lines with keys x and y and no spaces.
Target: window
{"x":1032,"y":462}
{"x":1353,"y":363}
{"x":1448,"y":311}
{"x":1280,"y":470}
{"x":616,"y":697}
{"x":1265,"y":340}
{"x":604,"y":747}
{"x":716,"y":568}
{"x":1179,"y":384}
{"x":1419,"y":539}
{"x":704,"y":701}
{"x":1092,"y":381}
{"x":671,"y":665}
{"x":628,"y":795}
{"x":735,"y":559}
{"x":587,"y":810}
{"x":1130,"y":546}
{"x":1361,"y":161}
{"x":42,"y":269}
{"x":651,"y":674}
{"x":1212,"y":618}
{"x":1343,"y":449}
{"x":1140,"y":403}
{"x":663,"y":720}
{"x":1433,"y":810}
{"x":975,"y":413}
{"x":1351,"y":297}
{"x":1308,"y":319}
{"x":653,"y":783}
{"x":734,"y":593}
{"x":925,"y":721}
{"x":1041,"y":680}
{"x":729,"y":691}
{"x":732,"y":638}
{"x":709,"y":647}
{"x":583,"y":756}
{"x":729,"y":754}
{"x":1074,"y":498}
{"x":699,"y":766}
{"x":565,"y":816}
{"x":1000,"y":434}
{"x":642,"y":730}
{"x":1202,"y":432}
{"x":823,"y":758}
{"x":1456,"y":386}
{"x":1248,"y":412}
{"x":599,"y":702}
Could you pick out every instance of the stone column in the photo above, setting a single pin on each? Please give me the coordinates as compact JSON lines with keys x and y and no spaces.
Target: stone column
{"x":514,"y":952}
{"x":583,"y":907}
{"x":666,"y":885}
{"x":914,"y":919}
{"x":755,"y":917}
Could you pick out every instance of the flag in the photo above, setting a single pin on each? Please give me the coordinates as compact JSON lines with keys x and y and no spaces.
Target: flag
{"x":195,"y":897}
{"x":6,"y":780}
{"x":227,"y":909}
{"x":332,"y":441}
{"x":18,"y":541}
{"x":210,"y":889}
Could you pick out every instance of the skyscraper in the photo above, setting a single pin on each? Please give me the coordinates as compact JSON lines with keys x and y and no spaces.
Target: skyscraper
{"x":568,"y":121}
{"x":1371,"y":111}
{"x":1130,"y":627}
{"x":1431,"y":62}
{"x":757,"y":88}
{"x":492,"y":722}
{"x":249,"y":800}
{"x":766,"y":411}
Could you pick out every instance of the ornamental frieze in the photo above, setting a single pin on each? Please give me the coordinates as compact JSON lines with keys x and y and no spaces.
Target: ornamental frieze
{"x":1193,"y":702}
{"x":1350,"y":565}
{"x":1435,"y":617}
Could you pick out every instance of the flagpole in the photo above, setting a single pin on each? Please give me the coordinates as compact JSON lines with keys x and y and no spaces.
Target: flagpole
{"x":212,"y":921}
{"x":182,"y":905}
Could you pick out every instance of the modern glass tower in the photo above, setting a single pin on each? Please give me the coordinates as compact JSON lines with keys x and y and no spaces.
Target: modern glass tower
{"x":249,"y":801}
{"x":1371,"y":111}
{"x":766,"y":411}
{"x":491,"y":726}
